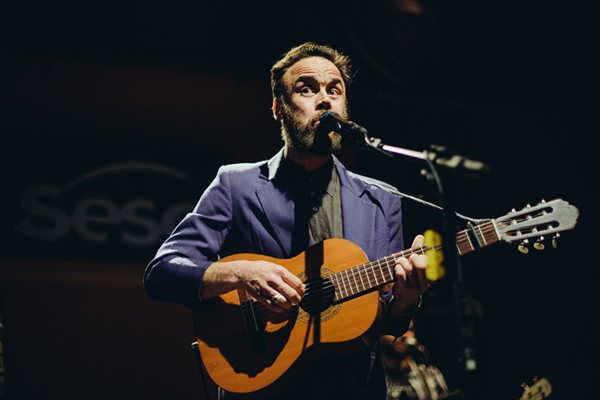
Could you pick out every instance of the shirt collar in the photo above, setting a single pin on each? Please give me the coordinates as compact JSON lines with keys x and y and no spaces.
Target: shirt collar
{"x":321,"y":177}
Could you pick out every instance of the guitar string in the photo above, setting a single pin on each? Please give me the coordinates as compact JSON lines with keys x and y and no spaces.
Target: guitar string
{"x":307,"y":302}
{"x":364,"y":270}
{"x":463,"y":242}
{"x":372,"y":282}
{"x":367,"y":270}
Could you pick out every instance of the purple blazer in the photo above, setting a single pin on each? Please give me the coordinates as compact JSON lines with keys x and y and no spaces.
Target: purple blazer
{"x":245,"y":211}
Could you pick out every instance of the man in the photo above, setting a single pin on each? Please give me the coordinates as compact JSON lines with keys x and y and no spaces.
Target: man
{"x":281,"y":206}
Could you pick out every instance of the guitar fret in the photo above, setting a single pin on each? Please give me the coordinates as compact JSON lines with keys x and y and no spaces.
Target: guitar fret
{"x":355,"y":281}
{"x":471,"y":246}
{"x":465,"y":236}
{"x":344,"y":283}
{"x":375,"y":276}
{"x":360,"y":276}
{"x":367,"y":268}
{"x":481,"y":235}
{"x":335,"y":285}
{"x":341,"y":285}
{"x":391,"y":278}
{"x":381,"y":270}
{"x":357,"y":278}
{"x":493,"y":233}
{"x":349,"y":281}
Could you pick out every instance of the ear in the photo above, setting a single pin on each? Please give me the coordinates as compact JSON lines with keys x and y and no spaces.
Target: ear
{"x":275,"y":108}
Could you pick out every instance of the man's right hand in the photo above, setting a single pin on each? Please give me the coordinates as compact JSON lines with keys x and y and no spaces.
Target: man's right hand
{"x":271,"y":284}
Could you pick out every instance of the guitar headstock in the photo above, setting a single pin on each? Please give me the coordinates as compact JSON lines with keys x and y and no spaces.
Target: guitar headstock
{"x":540,"y":389}
{"x":539,"y":221}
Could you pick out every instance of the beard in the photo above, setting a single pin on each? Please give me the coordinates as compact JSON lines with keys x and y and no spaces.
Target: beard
{"x":306,"y":137}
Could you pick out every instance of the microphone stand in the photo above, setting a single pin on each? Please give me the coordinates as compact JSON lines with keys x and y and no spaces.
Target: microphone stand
{"x":465,"y":308}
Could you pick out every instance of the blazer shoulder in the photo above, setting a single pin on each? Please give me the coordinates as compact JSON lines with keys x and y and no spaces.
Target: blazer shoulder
{"x":243,"y":171}
{"x":375,"y":186}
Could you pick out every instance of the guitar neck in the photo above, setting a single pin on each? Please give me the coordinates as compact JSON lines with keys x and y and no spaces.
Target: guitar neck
{"x":373,"y":275}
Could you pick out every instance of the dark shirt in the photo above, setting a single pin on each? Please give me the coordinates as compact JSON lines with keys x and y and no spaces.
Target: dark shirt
{"x":317,"y":198}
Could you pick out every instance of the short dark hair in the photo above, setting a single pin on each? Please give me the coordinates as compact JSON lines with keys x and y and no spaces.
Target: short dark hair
{"x":309,"y":49}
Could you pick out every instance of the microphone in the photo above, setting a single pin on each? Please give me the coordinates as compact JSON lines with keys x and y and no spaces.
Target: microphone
{"x":358,"y":136}
{"x":353,"y":134}
{"x":335,"y":122}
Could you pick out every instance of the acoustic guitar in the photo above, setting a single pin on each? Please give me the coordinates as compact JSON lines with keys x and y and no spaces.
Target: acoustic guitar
{"x":246,"y":349}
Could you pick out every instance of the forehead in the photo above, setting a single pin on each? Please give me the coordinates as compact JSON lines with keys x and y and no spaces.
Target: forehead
{"x":318,"y":67}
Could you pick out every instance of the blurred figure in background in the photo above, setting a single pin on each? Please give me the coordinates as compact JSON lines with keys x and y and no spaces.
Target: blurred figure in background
{"x":409,"y":372}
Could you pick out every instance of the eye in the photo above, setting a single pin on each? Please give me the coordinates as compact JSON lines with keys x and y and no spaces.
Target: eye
{"x":306,"y":90}
{"x":335,"y":89}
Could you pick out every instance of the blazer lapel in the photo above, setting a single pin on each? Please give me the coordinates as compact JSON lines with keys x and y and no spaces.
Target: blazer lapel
{"x":357,"y":211}
{"x":277,"y":206}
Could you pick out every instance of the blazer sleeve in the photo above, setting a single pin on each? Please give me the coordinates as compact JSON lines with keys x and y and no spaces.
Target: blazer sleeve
{"x":176,"y":272}
{"x":394,"y":218}
{"x":397,"y":326}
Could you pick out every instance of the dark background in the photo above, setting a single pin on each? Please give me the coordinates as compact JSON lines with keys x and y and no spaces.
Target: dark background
{"x":116,"y":115}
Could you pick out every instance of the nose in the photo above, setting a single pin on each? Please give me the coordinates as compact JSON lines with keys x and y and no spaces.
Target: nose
{"x":323,"y":100}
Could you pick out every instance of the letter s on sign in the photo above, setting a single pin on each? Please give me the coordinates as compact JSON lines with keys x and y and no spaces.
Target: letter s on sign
{"x":43,"y":222}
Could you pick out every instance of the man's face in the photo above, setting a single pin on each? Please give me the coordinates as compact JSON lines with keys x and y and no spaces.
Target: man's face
{"x":313,"y":85}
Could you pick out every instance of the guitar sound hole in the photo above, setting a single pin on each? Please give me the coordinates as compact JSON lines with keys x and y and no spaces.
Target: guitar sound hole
{"x":318,"y":296}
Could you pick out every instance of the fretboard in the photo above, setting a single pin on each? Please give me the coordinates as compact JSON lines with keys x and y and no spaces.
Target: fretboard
{"x":373,"y":275}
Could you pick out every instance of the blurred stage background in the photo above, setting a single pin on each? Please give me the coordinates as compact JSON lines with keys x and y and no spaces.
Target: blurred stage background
{"x":116,"y":115}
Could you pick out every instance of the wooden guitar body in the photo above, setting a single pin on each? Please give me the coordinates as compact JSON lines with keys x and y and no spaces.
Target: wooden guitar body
{"x":243,"y":354}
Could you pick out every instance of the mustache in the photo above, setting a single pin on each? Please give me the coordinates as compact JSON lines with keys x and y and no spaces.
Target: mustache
{"x":317,"y":119}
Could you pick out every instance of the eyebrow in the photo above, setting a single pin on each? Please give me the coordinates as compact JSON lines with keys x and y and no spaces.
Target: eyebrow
{"x":311,"y":79}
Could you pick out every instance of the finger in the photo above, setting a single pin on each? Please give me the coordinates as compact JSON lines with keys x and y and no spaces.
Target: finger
{"x":401,"y":276}
{"x":418,"y":261}
{"x":277,"y":299}
{"x":405,"y":264}
{"x":418,"y":241}
{"x":265,"y":297}
{"x":292,"y":297}
{"x":293,"y":281}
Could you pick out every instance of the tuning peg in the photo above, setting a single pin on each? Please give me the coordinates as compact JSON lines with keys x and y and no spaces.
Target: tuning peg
{"x":523,"y":246}
{"x":555,"y":240}
{"x":528,"y":205}
{"x":543,"y":201}
{"x":539,"y":244}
